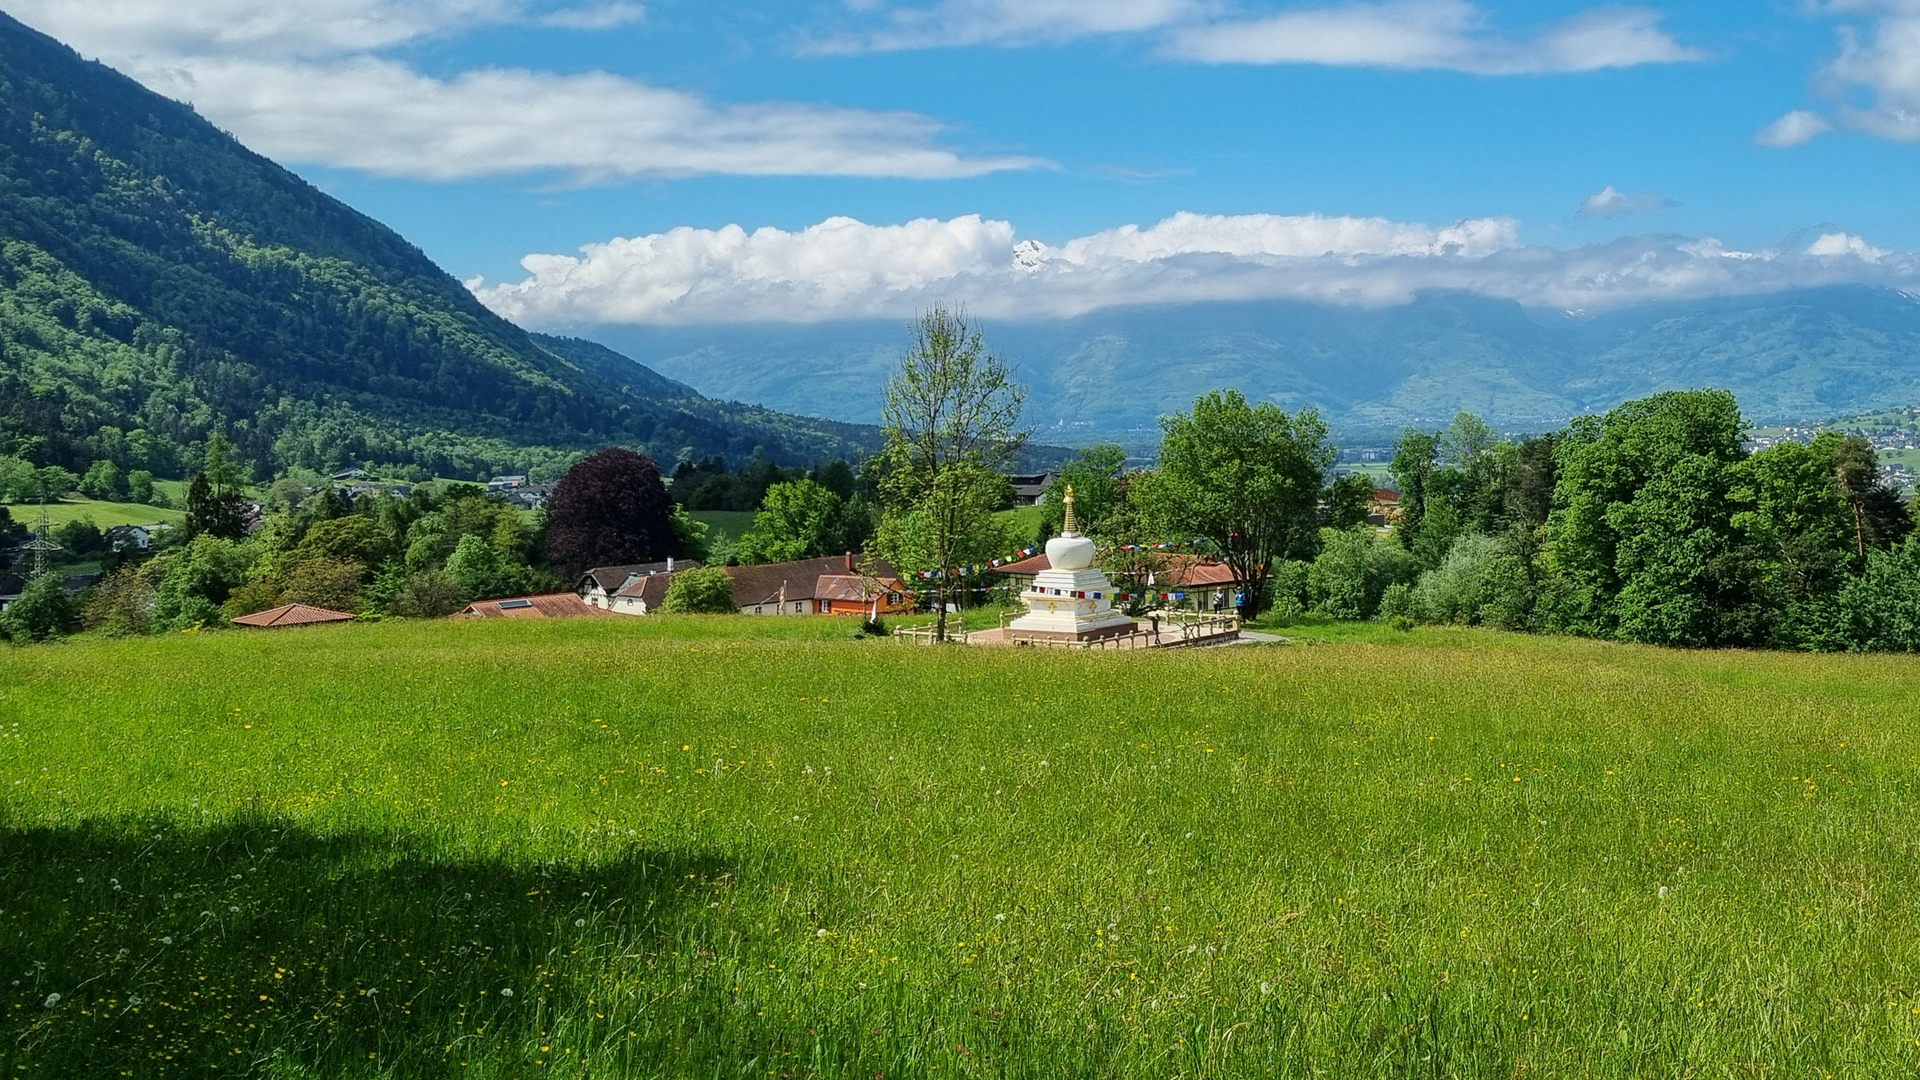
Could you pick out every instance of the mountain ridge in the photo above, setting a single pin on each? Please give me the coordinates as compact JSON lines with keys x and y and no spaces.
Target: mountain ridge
{"x":1797,"y":355}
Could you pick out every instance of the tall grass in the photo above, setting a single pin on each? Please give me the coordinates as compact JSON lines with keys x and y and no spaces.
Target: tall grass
{"x":738,"y":847}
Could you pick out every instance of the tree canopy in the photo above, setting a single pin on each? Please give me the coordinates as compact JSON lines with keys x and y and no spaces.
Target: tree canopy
{"x":610,"y":509}
{"x":1246,"y":479}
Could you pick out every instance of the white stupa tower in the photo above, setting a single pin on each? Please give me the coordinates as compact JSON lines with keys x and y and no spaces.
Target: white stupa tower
{"x":1071,"y":600}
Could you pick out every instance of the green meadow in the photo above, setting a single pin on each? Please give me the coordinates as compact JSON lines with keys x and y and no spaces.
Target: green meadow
{"x":730,"y":847}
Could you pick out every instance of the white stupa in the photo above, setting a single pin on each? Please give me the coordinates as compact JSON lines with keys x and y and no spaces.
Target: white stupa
{"x":1071,"y":600}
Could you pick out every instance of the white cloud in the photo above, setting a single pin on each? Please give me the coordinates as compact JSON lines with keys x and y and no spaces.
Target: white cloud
{"x":1435,"y":34}
{"x":1007,"y":22}
{"x":1794,"y":129}
{"x":597,"y":17}
{"x":845,"y":269}
{"x":1845,"y":245}
{"x":307,"y":82}
{"x":1610,"y":201}
{"x":386,"y":118}
{"x":1874,"y":80}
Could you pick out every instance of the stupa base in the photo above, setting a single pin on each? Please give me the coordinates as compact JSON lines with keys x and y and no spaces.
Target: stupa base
{"x":1121,"y":626}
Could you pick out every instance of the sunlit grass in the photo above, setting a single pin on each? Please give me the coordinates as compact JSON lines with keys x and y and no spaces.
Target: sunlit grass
{"x":758,"y":847}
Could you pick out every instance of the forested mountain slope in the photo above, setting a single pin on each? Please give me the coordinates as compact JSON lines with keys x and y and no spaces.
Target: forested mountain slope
{"x":158,"y":281}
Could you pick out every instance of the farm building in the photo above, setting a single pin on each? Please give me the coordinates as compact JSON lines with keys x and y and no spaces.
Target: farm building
{"x":854,"y":594}
{"x":564,"y":605}
{"x":291,"y":615}
{"x":1030,"y":489}
{"x":794,"y":588}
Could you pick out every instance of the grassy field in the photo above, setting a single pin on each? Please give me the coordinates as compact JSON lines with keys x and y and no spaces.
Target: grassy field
{"x":733,"y":523}
{"x":734,"y":847}
{"x":104,"y":514}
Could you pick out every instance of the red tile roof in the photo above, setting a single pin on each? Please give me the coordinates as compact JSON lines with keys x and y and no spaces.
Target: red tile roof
{"x":790,"y":581}
{"x":292,"y":615}
{"x":650,"y":589}
{"x":1028,"y":566}
{"x":564,"y":605}
{"x":853,"y":587}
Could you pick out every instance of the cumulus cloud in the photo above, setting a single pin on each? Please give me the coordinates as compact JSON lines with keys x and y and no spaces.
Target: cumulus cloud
{"x":1794,"y":129}
{"x":1006,"y":22}
{"x":308,"y":82}
{"x":1873,"y":81}
{"x":846,"y":269}
{"x":1435,"y":34}
{"x":1610,"y":201}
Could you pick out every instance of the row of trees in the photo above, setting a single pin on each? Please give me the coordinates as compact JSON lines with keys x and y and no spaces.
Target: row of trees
{"x":1652,"y":523}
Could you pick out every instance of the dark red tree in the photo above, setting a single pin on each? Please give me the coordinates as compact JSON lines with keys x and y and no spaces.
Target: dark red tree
{"x":610,"y":509}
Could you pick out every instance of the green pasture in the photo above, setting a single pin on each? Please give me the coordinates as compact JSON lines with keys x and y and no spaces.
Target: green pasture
{"x":733,"y":523}
{"x":104,"y":514}
{"x":734,"y":847}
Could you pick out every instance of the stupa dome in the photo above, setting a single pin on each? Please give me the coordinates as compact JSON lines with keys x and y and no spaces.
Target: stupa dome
{"x":1070,"y":552}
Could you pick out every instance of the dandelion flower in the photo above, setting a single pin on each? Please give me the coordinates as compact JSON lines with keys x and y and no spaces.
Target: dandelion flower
{"x":52,"y":1000}
{"x":579,"y":922}
{"x":166,"y":941}
{"x":506,"y":993}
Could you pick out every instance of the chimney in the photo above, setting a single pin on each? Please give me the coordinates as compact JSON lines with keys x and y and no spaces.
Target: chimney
{"x":669,"y":564}
{"x":849,"y":562}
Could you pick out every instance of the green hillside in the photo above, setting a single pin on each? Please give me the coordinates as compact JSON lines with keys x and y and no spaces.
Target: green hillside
{"x":158,"y":280}
{"x":712,"y":847}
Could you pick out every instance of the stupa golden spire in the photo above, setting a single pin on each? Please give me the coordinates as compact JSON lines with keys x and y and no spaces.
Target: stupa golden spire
{"x":1069,"y":529}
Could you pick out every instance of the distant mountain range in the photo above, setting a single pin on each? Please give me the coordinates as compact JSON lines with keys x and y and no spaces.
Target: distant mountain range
{"x":1802,"y":355}
{"x":159,"y":281}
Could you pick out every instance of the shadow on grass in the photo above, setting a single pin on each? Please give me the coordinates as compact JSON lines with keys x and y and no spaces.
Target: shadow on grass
{"x":147,"y":949}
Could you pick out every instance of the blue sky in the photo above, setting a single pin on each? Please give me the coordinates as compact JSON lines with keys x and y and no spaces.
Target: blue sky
{"x":578,"y":123}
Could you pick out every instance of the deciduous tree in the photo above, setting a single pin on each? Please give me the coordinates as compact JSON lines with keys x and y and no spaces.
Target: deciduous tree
{"x":706,"y":591}
{"x":951,"y":426}
{"x":1244,"y":478}
{"x":611,"y":508}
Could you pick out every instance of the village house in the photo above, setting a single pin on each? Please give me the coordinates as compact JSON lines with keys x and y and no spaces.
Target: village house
{"x":853,"y":594}
{"x":644,"y":594}
{"x":564,"y":605}
{"x":833,"y":585}
{"x":11,"y":586}
{"x":793,"y":588}
{"x":1030,"y":489}
{"x":599,"y":585}
{"x":129,"y":538}
{"x":1383,"y":510}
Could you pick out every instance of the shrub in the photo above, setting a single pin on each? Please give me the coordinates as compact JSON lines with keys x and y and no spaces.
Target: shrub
{"x":1880,"y":608}
{"x":1286,"y":611}
{"x":707,"y":591}
{"x":1398,"y":602}
{"x":333,"y":584}
{"x":44,"y":610}
{"x":122,"y":603}
{"x":196,"y":580}
{"x":1353,"y":572}
{"x":430,"y":594}
{"x":140,"y":487}
{"x":253,"y":598}
{"x":1457,"y":589}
